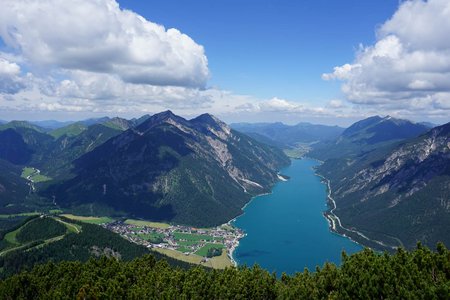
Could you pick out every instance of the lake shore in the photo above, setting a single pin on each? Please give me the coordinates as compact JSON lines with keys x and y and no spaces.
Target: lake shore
{"x":337,"y":227}
{"x":279,"y":226}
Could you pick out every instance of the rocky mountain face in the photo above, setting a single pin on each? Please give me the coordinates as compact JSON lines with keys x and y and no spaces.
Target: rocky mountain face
{"x":397,"y":194}
{"x":198,"y":172}
{"x":367,"y":135}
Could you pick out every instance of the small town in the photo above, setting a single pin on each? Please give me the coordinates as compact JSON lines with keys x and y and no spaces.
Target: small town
{"x":205,"y":242}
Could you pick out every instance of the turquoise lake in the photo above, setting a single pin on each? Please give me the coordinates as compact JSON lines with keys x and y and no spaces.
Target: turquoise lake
{"x":286,"y":230}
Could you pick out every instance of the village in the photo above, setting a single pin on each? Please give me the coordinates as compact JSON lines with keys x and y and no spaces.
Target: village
{"x":204,"y":242}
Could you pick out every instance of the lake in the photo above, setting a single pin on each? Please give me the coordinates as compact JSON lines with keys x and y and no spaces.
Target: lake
{"x":286,"y":230}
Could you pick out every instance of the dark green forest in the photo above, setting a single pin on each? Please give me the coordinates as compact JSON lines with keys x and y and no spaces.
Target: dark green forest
{"x":419,"y":274}
{"x":91,"y":241}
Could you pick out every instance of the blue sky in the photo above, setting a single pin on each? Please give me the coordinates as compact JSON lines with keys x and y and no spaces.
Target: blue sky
{"x":273,"y":48}
{"x":330,"y":62}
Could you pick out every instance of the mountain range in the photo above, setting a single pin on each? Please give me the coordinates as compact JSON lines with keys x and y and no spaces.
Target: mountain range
{"x":389,"y":178}
{"x":390,"y":182}
{"x":287,"y":136}
{"x":198,"y":172}
{"x":367,"y":135}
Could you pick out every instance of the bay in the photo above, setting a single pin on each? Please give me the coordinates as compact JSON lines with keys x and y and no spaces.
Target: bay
{"x":286,"y":230}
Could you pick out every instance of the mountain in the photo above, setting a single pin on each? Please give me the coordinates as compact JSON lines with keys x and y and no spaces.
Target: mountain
{"x":429,"y":124}
{"x":286,"y":136}
{"x":25,"y":145}
{"x":72,"y":129}
{"x":198,"y":172}
{"x":92,"y":121}
{"x":51,"y":124}
{"x":120,"y":123}
{"x":56,"y":160}
{"x":140,"y":120}
{"x":13,"y":148}
{"x":397,"y":194}
{"x":367,"y":135}
{"x":21,"y":125}
{"x":13,"y":188}
{"x":22,"y":142}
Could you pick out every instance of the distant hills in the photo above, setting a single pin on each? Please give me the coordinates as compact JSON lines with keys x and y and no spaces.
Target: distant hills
{"x":286,"y":136}
{"x":390,"y":180}
{"x":365,"y":136}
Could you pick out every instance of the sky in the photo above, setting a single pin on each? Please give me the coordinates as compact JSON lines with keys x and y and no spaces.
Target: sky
{"x":329,"y":62}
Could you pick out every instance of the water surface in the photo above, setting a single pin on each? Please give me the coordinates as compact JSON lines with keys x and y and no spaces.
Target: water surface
{"x":286,"y":230}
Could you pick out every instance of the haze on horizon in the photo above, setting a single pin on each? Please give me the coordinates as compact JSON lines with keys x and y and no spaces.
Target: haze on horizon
{"x":325,"y":62}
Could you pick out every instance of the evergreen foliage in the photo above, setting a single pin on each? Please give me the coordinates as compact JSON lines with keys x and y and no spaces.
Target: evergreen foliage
{"x":40,"y":229}
{"x":420,"y":274}
{"x":93,"y":240}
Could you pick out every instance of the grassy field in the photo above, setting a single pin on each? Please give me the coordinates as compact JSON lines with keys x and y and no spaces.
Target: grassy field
{"x":28,"y":214}
{"x":187,"y":243}
{"x":10,"y":237}
{"x":34,"y":175}
{"x":70,"y":227}
{"x":91,"y":220}
{"x":299,"y":151}
{"x":152,"y":237}
{"x":147,"y":223}
{"x":27,"y":172}
{"x":136,"y":228}
{"x":191,"y":258}
{"x":14,"y":244}
{"x":40,"y":178}
{"x":184,"y":249}
{"x":219,"y":262}
{"x":203,"y":251}
{"x":192,"y":237}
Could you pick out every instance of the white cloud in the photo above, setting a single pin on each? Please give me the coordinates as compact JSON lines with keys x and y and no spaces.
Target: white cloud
{"x":342,"y":72}
{"x":10,"y":79}
{"x":409,"y":65}
{"x":99,"y":36}
{"x":335,"y":103}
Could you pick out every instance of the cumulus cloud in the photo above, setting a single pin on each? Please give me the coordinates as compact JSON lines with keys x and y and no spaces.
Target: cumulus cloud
{"x":409,"y":66}
{"x":98,"y":36}
{"x":335,"y":103}
{"x":10,"y":79}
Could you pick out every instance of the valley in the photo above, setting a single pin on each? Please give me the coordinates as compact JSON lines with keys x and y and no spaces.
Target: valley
{"x":254,"y":149}
{"x":211,"y":247}
{"x":166,"y":184}
{"x":286,"y":230}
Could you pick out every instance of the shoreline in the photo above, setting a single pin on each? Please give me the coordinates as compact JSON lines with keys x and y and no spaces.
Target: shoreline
{"x":230,"y":223}
{"x":335,"y":222}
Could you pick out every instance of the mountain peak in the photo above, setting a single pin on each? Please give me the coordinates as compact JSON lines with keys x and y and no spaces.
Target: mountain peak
{"x":207,"y":118}
{"x":159,"y":118}
{"x":21,"y":124}
{"x":118,"y":123}
{"x":211,"y":123}
{"x":377,"y":129}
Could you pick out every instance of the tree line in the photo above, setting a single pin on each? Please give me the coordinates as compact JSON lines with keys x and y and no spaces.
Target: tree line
{"x":417,"y":274}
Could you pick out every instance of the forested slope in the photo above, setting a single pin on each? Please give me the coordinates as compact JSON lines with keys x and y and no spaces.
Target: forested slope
{"x":420,"y":274}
